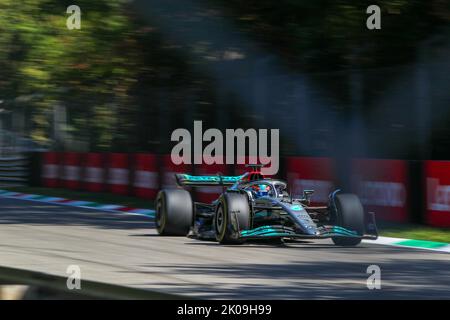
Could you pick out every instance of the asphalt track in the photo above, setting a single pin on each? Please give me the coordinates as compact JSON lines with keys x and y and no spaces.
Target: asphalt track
{"x":124,"y":249}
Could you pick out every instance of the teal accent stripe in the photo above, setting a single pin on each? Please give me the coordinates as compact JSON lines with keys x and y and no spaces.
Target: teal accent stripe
{"x":265,"y":231}
{"x":338,"y":228}
{"x":262,"y":233}
{"x":342,"y":232}
{"x":259,"y":229}
{"x":278,"y":234}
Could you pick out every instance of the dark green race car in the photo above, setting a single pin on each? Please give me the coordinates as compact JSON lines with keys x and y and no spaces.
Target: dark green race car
{"x":254,"y":207}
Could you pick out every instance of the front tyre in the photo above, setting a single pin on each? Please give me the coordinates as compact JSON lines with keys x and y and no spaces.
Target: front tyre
{"x":232,"y":216}
{"x":174,"y":212}
{"x":349,"y":214}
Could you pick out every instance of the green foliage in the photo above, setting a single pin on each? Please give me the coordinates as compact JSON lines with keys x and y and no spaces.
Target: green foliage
{"x":88,"y":69}
{"x":111,"y":74}
{"x":323,"y":34}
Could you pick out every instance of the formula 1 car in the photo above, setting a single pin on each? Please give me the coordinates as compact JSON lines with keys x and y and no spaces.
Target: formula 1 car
{"x":254,"y":207}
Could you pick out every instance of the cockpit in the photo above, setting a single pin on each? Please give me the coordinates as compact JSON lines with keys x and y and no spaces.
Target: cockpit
{"x":267,"y":188}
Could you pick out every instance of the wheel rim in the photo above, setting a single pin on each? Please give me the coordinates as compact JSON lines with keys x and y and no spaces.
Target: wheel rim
{"x":159,"y":218}
{"x":219,"y":220}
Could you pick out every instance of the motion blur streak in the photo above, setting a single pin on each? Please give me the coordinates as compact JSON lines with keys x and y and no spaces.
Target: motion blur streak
{"x":125,"y":250}
{"x":294,"y":102}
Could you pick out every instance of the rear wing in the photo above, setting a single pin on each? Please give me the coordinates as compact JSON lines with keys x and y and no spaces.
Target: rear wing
{"x":189,"y":180}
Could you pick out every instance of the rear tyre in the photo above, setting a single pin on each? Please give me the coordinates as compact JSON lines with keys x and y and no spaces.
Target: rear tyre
{"x":174,"y":212}
{"x":232,"y":215}
{"x":349,"y":215}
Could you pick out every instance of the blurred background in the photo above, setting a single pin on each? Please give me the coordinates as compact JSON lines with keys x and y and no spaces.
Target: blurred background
{"x":138,"y":69}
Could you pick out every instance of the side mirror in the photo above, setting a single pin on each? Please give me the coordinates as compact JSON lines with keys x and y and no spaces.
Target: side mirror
{"x":307,"y":194}
{"x":249,"y":195}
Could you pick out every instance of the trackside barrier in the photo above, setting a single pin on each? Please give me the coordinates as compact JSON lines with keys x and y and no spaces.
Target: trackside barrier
{"x":50,"y":169}
{"x":94,"y":172}
{"x":145,"y":180}
{"x":311,"y":173}
{"x":119,"y":173}
{"x":382,"y":185}
{"x":89,"y":289}
{"x":437,"y":181}
{"x":394,"y":189}
{"x":209,"y":194}
{"x":168,"y":170}
{"x":71,"y":167}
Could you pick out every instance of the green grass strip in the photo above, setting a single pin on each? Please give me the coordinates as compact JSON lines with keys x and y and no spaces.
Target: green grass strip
{"x":421,"y":244}
{"x":414,"y":231}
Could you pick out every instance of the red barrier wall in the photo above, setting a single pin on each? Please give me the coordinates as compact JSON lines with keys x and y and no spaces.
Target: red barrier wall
{"x":310,"y":173}
{"x":71,"y":165}
{"x":145,"y":181}
{"x":94,"y":172}
{"x":118,"y":173}
{"x":209,"y":194}
{"x":382,"y":186}
{"x":437,"y":179}
{"x":50,"y":169}
{"x":168,"y":170}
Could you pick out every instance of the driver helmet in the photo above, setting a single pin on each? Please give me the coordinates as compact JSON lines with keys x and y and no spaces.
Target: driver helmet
{"x":261,"y":190}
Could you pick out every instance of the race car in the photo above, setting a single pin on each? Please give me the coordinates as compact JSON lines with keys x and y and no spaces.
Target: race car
{"x":254,"y":207}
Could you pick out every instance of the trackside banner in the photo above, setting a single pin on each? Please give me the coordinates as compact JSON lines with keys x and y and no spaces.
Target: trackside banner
{"x":118,"y":173}
{"x":310,"y":173}
{"x":168,"y":170}
{"x":382,"y":186}
{"x":209,"y":194}
{"x":437,"y":179}
{"x":71,"y":170}
{"x":50,"y":173}
{"x":94,"y":172}
{"x":146,"y":181}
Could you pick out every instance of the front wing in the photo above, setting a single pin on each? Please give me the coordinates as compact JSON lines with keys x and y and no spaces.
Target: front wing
{"x":323,"y":232}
